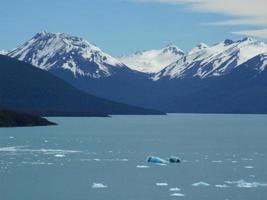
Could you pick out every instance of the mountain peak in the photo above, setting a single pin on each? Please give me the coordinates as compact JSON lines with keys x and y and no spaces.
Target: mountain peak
{"x":173,"y":49}
{"x":59,"y":50}
{"x":228,"y":41}
{"x":44,"y":35}
{"x":171,"y":45}
{"x":247,"y":39}
{"x":202,"y":46}
{"x":198,"y":48}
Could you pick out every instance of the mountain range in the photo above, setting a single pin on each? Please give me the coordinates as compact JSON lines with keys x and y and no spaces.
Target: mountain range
{"x":222,"y":78}
{"x":219,"y":59}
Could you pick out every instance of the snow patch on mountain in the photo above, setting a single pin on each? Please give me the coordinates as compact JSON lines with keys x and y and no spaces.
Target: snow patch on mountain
{"x":52,"y":51}
{"x":154,"y":60}
{"x":3,"y":52}
{"x":258,"y":62}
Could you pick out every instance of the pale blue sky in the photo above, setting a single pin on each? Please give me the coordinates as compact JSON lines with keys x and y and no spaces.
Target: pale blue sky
{"x":121,"y":26}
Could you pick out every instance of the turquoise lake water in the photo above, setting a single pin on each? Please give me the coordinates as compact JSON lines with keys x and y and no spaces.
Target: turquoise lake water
{"x":224,"y":157}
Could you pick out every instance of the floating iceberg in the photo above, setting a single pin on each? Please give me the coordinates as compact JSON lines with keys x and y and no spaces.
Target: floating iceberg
{"x":156,"y":160}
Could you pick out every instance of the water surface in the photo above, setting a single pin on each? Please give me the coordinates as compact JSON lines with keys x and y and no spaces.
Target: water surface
{"x":223,"y":157}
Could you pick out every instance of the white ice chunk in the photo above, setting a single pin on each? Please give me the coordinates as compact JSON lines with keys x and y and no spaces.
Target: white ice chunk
{"x":161,"y":184}
{"x":244,"y":184}
{"x":200,"y":184}
{"x":142,"y":166}
{"x":99,"y":186}
{"x":177,"y":195}
{"x":176,"y":189}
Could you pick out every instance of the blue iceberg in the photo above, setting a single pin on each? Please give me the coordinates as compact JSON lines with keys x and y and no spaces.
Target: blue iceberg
{"x":156,"y":160}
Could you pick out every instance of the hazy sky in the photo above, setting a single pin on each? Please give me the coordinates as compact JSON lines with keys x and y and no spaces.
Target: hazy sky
{"x":125,"y":26}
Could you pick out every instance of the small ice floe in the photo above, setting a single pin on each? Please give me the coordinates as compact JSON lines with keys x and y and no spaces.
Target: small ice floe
{"x":59,"y":155}
{"x":25,"y":149}
{"x":252,"y":176}
{"x":162,"y":184}
{"x":35,"y":163}
{"x":156,"y":160}
{"x":249,"y":167}
{"x":200,"y":184}
{"x":247,"y":159}
{"x":217,"y":161}
{"x":99,"y":186}
{"x":159,"y":161}
{"x":113,"y":160}
{"x":142,"y":166}
{"x":176,"y":189}
{"x":105,"y":159}
{"x":221,"y":186}
{"x":45,"y":141}
{"x":10,"y":149}
{"x":245,"y":184}
{"x":177,"y":194}
{"x":234,"y":161}
{"x":11,"y":137}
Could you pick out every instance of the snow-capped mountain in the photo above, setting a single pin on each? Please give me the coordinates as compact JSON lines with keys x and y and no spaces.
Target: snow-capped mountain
{"x":53,"y":51}
{"x":89,"y":69}
{"x":220,"y":59}
{"x":3,"y":52}
{"x":152,"y":61}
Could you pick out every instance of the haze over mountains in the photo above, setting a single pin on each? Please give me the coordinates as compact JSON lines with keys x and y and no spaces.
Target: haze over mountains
{"x":167,"y":79}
